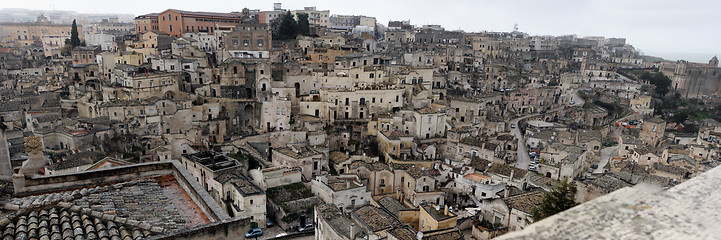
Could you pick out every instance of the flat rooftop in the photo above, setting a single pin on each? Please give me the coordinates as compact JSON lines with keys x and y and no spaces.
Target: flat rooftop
{"x":343,"y":184}
{"x":213,"y":161}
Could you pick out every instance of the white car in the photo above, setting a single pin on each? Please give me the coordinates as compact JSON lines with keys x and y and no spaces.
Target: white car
{"x":513,"y":125}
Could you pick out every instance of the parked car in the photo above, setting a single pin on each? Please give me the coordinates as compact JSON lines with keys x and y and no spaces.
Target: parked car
{"x":307,"y":227}
{"x":566,"y":107}
{"x":513,"y":125}
{"x":255,"y":232}
{"x":533,"y":168}
{"x":573,"y":102}
{"x":268,"y":222}
{"x":543,"y":111}
{"x":594,"y":166}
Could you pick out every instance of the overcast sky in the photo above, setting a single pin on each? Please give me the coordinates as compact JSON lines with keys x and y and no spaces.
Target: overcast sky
{"x":672,"y":29}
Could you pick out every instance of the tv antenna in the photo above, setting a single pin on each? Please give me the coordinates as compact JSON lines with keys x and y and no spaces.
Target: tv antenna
{"x":515,"y":27}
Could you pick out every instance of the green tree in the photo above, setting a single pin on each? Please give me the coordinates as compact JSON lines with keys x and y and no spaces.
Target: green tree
{"x":285,"y":27}
{"x":303,"y":25}
{"x":661,"y":81}
{"x":74,"y":37}
{"x":559,"y":199}
{"x":65,"y":50}
{"x":680,"y":117}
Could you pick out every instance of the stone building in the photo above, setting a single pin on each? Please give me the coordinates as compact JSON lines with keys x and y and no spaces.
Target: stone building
{"x":345,"y":192}
{"x":310,"y":161}
{"x":434,"y":217}
{"x":24,"y":34}
{"x":652,"y":131}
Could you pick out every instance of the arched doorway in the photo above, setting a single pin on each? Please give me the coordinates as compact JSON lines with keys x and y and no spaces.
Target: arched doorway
{"x":248,"y":115}
{"x":548,"y":174}
{"x":170,"y":94}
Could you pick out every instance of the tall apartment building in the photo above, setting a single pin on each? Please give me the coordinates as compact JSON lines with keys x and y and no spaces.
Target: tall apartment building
{"x":146,"y":23}
{"x":178,"y":22}
{"x":315,"y":17}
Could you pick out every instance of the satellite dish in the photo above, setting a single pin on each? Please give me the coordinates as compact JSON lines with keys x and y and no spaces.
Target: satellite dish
{"x":419,"y":235}
{"x":438,"y":208}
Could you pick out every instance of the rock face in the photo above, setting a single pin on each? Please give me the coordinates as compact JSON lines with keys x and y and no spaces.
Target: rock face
{"x":36,"y":161}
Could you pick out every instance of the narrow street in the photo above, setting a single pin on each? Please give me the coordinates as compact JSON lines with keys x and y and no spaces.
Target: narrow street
{"x":609,"y":152}
{"x":522,"y":158}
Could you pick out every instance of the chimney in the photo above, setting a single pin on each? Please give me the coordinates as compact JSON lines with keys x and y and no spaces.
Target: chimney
{"x":577,"y":133}
{"x":445,"y":211}
{"x":512,"y":172}
{"x":352,"y":231}
{"x":505,"y":192}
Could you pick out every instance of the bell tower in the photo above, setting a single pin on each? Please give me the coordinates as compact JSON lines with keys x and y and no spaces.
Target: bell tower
{"x":713,"y":62}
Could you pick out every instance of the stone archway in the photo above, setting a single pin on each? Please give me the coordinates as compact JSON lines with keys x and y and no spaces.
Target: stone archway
{"x":248,"y":115}
{"x":169,"y":94}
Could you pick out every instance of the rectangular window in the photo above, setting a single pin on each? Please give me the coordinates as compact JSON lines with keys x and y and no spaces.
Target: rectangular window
{"x":171,"y":27}
{"x":260,"y":42}
{"x":235,"y":41}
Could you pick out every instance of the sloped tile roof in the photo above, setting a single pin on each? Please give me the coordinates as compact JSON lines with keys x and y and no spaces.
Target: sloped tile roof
{"x":375,"y":218}
{"x":128,"y":210}
{"x":64,"y":223}
{"x":525,"y":202}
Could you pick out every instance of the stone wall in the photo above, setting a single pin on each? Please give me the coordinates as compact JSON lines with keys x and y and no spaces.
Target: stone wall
{"x":38,"y":184}
{"x":685,"y":211}
{"x":234,"y":228}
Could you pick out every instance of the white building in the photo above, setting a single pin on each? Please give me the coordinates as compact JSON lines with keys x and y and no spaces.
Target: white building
{"x":105,"y":41}
{"x":203,"y":41}
{"x":275,"y":114}
{"x":315,"y":17}
{"x":346,"y":192}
